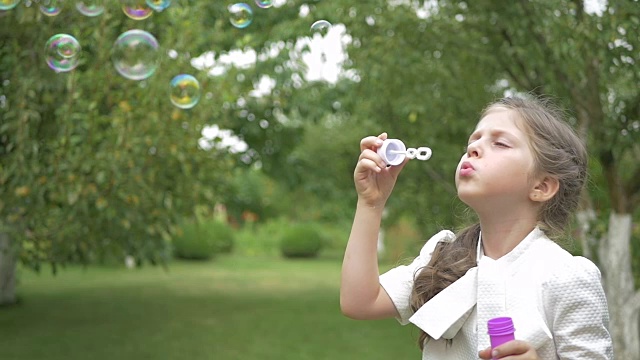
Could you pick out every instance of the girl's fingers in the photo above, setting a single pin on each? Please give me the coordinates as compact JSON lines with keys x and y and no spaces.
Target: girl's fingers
{"x":368,"y":164}
{"x":373,"y":156}
{"x":370,"y":142}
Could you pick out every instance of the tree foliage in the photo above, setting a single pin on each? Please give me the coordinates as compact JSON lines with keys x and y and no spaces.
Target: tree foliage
{"x":93,"y":163}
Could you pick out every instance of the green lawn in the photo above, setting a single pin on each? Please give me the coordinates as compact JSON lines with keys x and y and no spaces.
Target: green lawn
{"x":230,"y":308}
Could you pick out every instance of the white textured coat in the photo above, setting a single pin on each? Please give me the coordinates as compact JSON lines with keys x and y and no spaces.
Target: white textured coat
{"x":556,"y":300}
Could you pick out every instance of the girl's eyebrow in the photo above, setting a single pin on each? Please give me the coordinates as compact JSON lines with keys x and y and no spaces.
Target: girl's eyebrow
{"x":496,"y":132}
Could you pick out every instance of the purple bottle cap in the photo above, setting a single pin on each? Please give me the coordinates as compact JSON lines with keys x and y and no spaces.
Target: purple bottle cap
{"x":500,"y":326}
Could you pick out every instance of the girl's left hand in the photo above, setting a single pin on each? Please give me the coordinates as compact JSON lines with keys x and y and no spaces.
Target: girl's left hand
{"x":516,"y":349}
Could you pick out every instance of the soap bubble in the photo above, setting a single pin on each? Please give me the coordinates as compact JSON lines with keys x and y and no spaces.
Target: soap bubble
{"x":264,"y":3}
{"x":320,"y":27}
{"x":158,"y":5}
{"x":62,"y":52}
{"x":90,"y":7}
{"x":135,"y":54}
{"x":185,"y":91}
{"x":241,"y":15}
{"x":51,"y":7}
{"x":136,"y":9}
{"x":8,"y":4}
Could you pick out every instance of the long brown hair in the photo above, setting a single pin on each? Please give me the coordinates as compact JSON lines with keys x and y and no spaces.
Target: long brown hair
{"x":557,"y":151}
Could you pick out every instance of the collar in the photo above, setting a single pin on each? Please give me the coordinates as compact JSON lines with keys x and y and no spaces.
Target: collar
{"x":444,"y":314}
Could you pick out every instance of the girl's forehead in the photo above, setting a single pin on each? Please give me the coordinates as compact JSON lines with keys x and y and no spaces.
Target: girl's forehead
{"x":502,"y":120}
{"x":498,"y":117}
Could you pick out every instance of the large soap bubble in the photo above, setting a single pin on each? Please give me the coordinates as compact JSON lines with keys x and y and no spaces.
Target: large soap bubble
{"x":8,"y":4}
{"x":135,"y":54}
{"x":185,"y":91}
{"x":62,"y":52}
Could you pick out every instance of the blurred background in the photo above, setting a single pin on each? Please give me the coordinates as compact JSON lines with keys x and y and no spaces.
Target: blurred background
{"x":176,"y":177}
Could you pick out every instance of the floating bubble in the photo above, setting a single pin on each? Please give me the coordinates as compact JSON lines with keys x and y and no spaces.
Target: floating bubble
{"x":264,"y":3}
{"x":320,"y":27}
{"x":135,"y":54}
{"x":51,"y":7}
{"x":90,"y":8}
{"x":185,"y":91}
{"x":62,"y":52}
{"x":136,"y":9}
{"x":8,"y":4}
{"x":241,"y":15}
{"x":158,"y":5}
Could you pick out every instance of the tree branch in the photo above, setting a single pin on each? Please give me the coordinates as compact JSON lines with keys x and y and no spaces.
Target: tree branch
{"x":528,"y":83}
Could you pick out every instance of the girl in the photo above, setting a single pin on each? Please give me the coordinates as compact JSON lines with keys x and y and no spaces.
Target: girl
{"x":522,"y":174}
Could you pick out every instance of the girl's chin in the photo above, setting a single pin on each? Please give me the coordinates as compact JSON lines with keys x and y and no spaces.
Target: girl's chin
{"x":469,"y":198}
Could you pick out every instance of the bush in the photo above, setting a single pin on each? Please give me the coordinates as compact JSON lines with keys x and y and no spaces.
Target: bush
{"x":202,"y":240}
{"x":301,"y":241}
{"x":262,"y":238}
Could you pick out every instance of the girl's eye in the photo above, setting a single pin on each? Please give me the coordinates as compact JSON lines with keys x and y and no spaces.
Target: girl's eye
{"x":500,"y":144}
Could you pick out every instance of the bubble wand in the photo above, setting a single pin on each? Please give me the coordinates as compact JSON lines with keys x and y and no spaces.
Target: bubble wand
{"x":393,"y":152}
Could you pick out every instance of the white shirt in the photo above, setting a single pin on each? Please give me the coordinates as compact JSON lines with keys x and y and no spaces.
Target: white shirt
{"x":556,"y":301}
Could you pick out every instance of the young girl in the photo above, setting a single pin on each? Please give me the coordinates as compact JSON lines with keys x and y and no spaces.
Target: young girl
{"x":522,"y":174}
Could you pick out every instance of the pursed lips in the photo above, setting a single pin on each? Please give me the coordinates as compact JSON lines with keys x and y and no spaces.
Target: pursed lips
{"x":466,"y":169}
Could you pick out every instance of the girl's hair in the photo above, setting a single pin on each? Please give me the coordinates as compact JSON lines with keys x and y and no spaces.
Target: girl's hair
{"x":558,"y":152}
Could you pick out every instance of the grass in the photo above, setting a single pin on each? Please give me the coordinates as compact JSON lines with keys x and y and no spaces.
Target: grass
{"x":230,"y":308}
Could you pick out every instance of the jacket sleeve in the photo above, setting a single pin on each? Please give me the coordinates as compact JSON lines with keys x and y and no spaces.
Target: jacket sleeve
{"x":398,"y":282}
{"x":578,"y":309}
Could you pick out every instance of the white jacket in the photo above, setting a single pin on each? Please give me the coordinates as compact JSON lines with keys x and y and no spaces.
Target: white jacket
{"x":556,"y":301}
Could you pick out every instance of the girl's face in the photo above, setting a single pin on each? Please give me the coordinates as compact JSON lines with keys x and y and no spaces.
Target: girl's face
{"x":496,"y":171}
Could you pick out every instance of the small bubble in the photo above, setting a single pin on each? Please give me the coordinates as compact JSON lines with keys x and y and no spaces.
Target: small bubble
{"x":185,"y":91}
{"x":62,"y":52}
{"x":321,"y":27}
{"x":90,"y":8}
{"x":136,"y":9}
{"x":158,"y":5}
{"x":50,"y":7}
{"x":264,"y":4}
{"x":241,"y":15}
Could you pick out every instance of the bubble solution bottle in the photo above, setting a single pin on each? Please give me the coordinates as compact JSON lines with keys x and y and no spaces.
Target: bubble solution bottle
{"x":500,"y":331}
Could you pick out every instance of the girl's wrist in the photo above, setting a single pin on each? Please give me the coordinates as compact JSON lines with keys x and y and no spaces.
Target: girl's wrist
{"x":370,"y":206}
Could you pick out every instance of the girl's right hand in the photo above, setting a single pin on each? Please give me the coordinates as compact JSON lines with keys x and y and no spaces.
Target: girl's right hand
{"x":373,"y":179}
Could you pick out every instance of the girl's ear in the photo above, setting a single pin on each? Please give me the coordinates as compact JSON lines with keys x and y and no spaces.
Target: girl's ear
{"x":544,"y":189}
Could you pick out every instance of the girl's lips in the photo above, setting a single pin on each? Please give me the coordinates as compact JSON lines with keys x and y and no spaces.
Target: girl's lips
{"x":466,"y":169}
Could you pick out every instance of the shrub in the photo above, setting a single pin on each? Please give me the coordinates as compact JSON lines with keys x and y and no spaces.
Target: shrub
{"x":301,"y":241}
{"x":262,"y":238}
{"x":223,"y":234}
{"x":202,"y":240}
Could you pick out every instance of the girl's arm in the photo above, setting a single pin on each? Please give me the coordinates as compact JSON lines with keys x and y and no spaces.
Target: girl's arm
{"x":361,"y":296}
{"x":580,"y":313}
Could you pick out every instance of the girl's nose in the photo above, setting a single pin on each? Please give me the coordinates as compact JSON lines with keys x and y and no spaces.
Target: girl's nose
{"x":473,"y":150}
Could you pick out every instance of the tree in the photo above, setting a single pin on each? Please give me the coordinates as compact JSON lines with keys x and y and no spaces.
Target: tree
{"x":93,"y":165}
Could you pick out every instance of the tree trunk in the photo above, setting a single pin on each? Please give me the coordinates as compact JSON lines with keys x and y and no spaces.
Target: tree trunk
{"x":624,"y":301}
{"x":7,"y":271}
